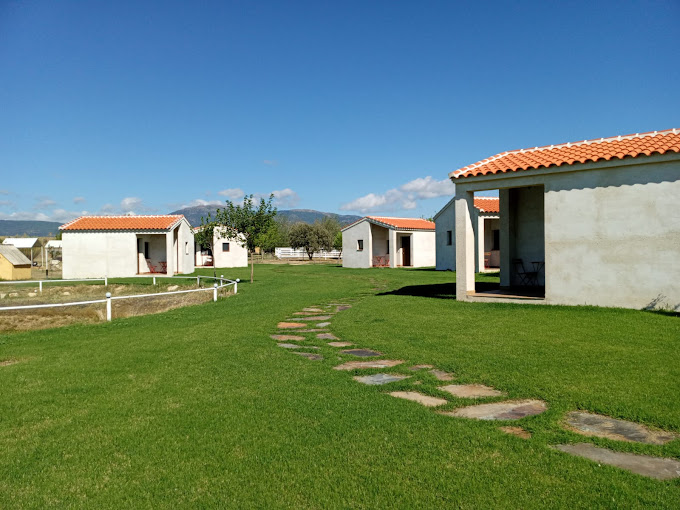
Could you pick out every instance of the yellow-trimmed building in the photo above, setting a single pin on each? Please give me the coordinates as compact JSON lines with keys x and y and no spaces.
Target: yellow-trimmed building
{"x":14,"y":265}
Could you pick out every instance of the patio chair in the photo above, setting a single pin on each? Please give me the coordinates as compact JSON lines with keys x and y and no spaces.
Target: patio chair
{"x":152,"y":268}
{"x":525,"y":277}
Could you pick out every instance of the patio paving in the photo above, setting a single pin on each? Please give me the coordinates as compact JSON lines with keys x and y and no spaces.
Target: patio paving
{"x":309,"y":355}
{"x":327,"y":336}
{"x":441,"y":375}
{"x":471,"y":390}
{"x":509,"y":410}
{"x":362,"y":353}
{"x":378,"y":363}
{"x":589,"y":424}
{"x":422,"y":399}
{"x":340,"y":344}
{"x":291,"y":325}
{"x":379,"y":379}
{"x":284,"y":338}
{"x":645,"y":465}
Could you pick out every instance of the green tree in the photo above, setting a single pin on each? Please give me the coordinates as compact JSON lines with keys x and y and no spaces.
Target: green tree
{"x":247,"y":224}
{"x":337,"y":242}
{"x":311,"y":238}
{"x":205,"y":236}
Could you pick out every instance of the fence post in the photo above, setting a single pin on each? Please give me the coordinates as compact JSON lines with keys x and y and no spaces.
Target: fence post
{"x":40,"y":285}
{"x":106,"y":281}
{"x":215,"y":293}
{"x":108,"y":306}
{"x":198,"y":281}
{"x":154,"y":280}
{"x":236,"y":285}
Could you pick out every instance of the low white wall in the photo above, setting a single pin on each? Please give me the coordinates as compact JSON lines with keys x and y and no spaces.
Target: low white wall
{"x":351,"y":257}
{"x":423,"y":249}
{"x":445,"y":254}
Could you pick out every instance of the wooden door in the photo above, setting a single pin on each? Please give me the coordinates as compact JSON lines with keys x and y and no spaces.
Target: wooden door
{"x":406,"y":250}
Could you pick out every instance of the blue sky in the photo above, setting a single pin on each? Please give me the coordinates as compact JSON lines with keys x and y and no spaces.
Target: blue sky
{"x":357,"y":107}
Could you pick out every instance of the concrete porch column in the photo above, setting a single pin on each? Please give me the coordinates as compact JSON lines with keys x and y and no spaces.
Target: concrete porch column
{"x":465,"y":244}
{"x":170,"y":252}
{"x":507,"y":236}
{"x":393,"y":247}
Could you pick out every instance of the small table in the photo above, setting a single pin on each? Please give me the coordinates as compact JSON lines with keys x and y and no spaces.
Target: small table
{"x":538,"y":267}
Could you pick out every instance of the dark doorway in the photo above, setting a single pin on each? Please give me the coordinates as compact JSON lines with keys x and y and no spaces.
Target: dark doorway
{"x":406,"y":250}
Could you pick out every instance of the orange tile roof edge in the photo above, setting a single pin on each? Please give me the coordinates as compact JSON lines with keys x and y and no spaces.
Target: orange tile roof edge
{"x":399,"y":223}
{"x":116,"y":223}
{"x":488,"y":204}
{"x":570,"y":153}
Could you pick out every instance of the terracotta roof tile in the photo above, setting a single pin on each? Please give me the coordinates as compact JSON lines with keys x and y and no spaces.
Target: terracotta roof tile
{"x":123,"y":222}
{"x":404,"y":223}
{"x":598,"y":149}
{"x":488,"y":204}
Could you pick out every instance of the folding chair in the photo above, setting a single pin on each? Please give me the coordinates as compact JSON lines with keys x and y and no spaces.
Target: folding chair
{"x":525,"y":277}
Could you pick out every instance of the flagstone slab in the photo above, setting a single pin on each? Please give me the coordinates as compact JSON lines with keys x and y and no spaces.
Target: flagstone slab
{"x":309,"y":355}
{"x":340,"y":344}
{"x":379,"y":379}
{"x":378,"y":363}
{"x":310,"y":314}
{"x":284,"y":338}
{"x":645,"y":465}
{"x":311,"y":330}
{"x":323,"y":324}
{"x":291,"y":325}
{"x":441,"y":375}
{"x":327,"y":336}
{"x":362,"y":353}
{"x":422,"y":399}
{"x":516,"y":431}
{"x":315,"y":318}
{"x":420,"y":367}
{"x":296,"y":346}
{"x":471,"y":390}
{"x":590,"y":424}
{"x":509,"y":410}
{"x":313,"y":309}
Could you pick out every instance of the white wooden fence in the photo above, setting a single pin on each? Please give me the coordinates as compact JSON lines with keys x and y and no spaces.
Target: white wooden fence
{"x":223,"y":282}
{"x":290,"y":253}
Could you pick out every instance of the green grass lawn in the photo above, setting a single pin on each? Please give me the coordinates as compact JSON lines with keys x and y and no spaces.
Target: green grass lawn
{"x":197,"y":407}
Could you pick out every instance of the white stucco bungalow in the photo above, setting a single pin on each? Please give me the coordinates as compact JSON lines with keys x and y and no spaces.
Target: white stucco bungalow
{"x":122,"y":246}
{"x":388,"y":242}
{"x":485,"y":220}
{"x":228,"y":252}
{"x":595,"y":222}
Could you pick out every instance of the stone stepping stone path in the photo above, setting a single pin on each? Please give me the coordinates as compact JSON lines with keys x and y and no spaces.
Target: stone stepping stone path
{"x":589,"y":424}
{"x":510,"y":410}
{"x":315,"y":310}
{"x":310,"y":314}
{"x":328,"y":336}
{"x":312,"y":330}
{"x":471,"y":391}
{"x":420,"y":367}
{"x":422,"y":399}
{"x":340,"y":344}
{"x":360,"y":365}
{"x":291,"y":325}
{"x":645,"y":465}
{"x":362,"y":353}
{"x":379,"y":379}
{"x":284,"y":338}
{"x":516,"y":431}
{"x":440,"y":375}
{"x":296,"y":346}
{"x":323,"y":324}
{"x":309,"y":355}
{"x":315,"y":318}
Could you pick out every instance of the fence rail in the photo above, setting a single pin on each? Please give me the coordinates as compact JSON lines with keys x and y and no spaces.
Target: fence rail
{"x":224,"y":282}
{"x":290,"y":253}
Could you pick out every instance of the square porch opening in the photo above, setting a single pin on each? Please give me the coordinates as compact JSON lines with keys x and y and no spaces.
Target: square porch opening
{"x":152,"y":257}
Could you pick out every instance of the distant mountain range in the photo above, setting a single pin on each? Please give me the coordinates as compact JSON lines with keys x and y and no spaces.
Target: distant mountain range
{"x":194,"y":215}
{"x":10,"y":228}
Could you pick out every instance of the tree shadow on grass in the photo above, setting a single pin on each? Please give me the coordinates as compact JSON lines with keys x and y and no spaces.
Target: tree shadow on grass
{"x":437,"y":290}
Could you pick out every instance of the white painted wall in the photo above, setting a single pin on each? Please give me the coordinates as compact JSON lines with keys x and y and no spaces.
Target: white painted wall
{"x":237,"y":256}
{"x":351,"y":257}
{"x":423,"y":249}
{"x":185,"y":237}
{"x":445,"y":254}
{"x":99,"y":254}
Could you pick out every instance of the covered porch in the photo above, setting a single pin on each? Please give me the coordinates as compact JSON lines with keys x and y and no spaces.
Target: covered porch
{"x":520,"y":242}
{"x":158,"y":253}
{"x":384,"y":254}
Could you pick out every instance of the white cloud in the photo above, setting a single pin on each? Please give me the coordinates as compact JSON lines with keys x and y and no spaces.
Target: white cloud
{"x":79,"y":200}
{"x":44,"y":203}
{"x":200,"y":201}
{"x":232,"y":193}
{"x":131,"y":205}
{"x":107,"y":209}
{"x":63,"y":215}
{"x":25,"y":216}
{"x":8,"y":203}
{"x":4,"y":192}
{"x":285,"y":198}
{"x":405,"y":197}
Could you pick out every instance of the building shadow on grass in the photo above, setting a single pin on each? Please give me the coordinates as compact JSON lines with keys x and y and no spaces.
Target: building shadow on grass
{"x":437,"y":290}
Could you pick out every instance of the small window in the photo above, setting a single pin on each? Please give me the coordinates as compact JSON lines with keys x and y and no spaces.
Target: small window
{"x":449,"y":237}
{"x":360,"y":245}
{"x":388,"y":247}
{"x":225,"y":246}
{"x":186,"y":248}
{"x":496,"y":240}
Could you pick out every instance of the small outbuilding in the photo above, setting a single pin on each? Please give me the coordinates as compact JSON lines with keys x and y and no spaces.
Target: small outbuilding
{"x":487,"y":225}
{"x":594,"y":222}
{"x":227,"y":252}
{"x":375,"y":241}
{"x":14,"y":265}
{"x":29,"y":246}
{"x":123,"y":246}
